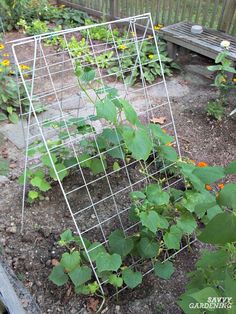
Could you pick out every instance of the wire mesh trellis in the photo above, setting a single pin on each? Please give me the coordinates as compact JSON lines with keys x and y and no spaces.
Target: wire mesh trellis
{"x":52,"y":87}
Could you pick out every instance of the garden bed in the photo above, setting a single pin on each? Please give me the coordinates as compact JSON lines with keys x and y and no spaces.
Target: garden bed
{"x":31,"y":254}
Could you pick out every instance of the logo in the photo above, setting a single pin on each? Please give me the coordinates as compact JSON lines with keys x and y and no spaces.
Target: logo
{"x":213,"y":303}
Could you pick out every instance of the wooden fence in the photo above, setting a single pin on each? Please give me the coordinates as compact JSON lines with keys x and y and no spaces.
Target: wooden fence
{"x":217,"y":14}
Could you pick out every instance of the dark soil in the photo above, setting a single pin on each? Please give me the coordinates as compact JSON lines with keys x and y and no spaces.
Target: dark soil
{"x":30,"y":255}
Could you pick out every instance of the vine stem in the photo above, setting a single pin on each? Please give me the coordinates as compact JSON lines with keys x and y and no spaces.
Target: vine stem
{"x":102,"y":304}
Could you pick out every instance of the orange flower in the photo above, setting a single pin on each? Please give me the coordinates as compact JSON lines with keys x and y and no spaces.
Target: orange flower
{"x":221,"y":186}
{"x":208,"y":187}
{"x":202,"y":164}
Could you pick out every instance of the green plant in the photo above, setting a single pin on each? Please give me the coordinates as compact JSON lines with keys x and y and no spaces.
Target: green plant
{"x":9,"y":98}
{"x":215,"y":109}
{"x":37,"y":27}
{"x":149,"y":58}
{"x":102,"y":33}
{"x":222,"y":80}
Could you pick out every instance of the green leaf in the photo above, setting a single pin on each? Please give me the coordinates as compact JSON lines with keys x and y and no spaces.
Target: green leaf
{"x":90,"y":288}
{"x":40,"y":183}
{"x":186,"y":223}
{"x":88,"y":74}
{"x":231,"y":168}
{"x":156,"y":195}
{"x":107,"y":110}
{"x":70,"y":260}
{"x":61,"y":171}
{"x":173,"y":237}
{"x":147,"y":248}
{"x":214,"y":67}
{"x":230,"y":288}
{"x":213,"y":259}
{"x":164,"y":270}
{"x":3,"y":116}
{"x":116,"y":166}
{"x":149,"y":220}
{"x":227,"y":196}
{"x":33,"y":195}
{"x":96,"y":165}
{"x":107,"y":262}
{"x":167,"y":153}
{"x":131,"y":279}
{"x":57,"y":276}
{"x":203,"y":295}
{"x":80,"y":275}
{"x":220,"y":230}
{"x":46,"y":160}
{"x":119,"y":244}
{"x":115,"y":281}
{"x":209,"y":174}
{"x":160,"y":135}
{"x":136,"y":195}
{"x":66,"y":237}
{"x":138,"y":142}
{"x":13,"y":117}
{"x":95,"y":249}
{"x":129,"y":111}
{"x":10,"y":110}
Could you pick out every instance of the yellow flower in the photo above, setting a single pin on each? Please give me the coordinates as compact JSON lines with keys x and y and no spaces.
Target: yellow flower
{"x":151,"y":56}
{"x":26,"y":75}
{"x":61,"y":6}
{"x":169,"y":144}
{"x":150,"y":36}
{"x":234,"y":80}
{"x":157,"y":28}
{"x":133,"y":34}
{"x":122,"y":47}
{"x":5,"y":62}
{"x":160,"y":25}
{"x":11,"y":72}
{"x":6,"y":55}
{"x":24,"y":67}
{"x":2,"y":46}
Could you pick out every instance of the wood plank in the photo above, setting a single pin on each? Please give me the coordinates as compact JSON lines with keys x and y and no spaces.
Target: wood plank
{"x":228,"y":15}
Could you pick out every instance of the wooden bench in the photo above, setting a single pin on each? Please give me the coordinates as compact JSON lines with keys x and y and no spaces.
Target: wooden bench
{"x":207,"y":43}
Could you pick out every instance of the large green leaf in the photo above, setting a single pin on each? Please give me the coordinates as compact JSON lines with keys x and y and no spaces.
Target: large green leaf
{"x":156,"y":195}
{"x":88,"y":74}
{"x":95,"y":249}
{"x":230,"y":291}
{"x":203,"y":295}
{"x":129,"y":111}
{"x":164,"y":270}
{"x":138,"y":142}
{"x":173,"y":237}
{"x":209,"y":174}
{"x":227,"y":196}
{"x":80,"y":275}
{"x":147,"y":248}
{"x":107,"y":262}
{"x":119,"y":244}
{"x":149,"y":220}
{"x":61,"y":171}
{"x":70,"y":260}
{"x":107,"y":110}
{"x":168,"y":152}
{"x":58,"y":276}
{"x":132,"y":279}
{"x":158,"y":133}
{"x":220,"y":230}
{"x":186,"y":223}
{"x":231,"y":168}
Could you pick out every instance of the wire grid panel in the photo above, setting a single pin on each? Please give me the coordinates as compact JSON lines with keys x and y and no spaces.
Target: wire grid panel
{"x":98,"y":203}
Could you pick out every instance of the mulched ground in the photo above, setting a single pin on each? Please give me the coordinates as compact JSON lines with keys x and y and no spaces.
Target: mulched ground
{"x":30,"y":255}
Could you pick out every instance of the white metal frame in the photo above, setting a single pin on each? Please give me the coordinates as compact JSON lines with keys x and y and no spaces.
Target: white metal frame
{"x":42,"y":76}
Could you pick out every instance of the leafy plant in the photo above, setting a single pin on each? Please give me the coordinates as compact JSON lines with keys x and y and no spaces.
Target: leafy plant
{"x":222,"y":80}
{"x":149,"y":58}
{"x":37,"y":27}
{"x":9,"y":98}
{"x":101,"y":33}
{"x":215,"y":109}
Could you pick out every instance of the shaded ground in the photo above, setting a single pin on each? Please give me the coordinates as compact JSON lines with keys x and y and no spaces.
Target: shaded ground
{"x":30,"y":255}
